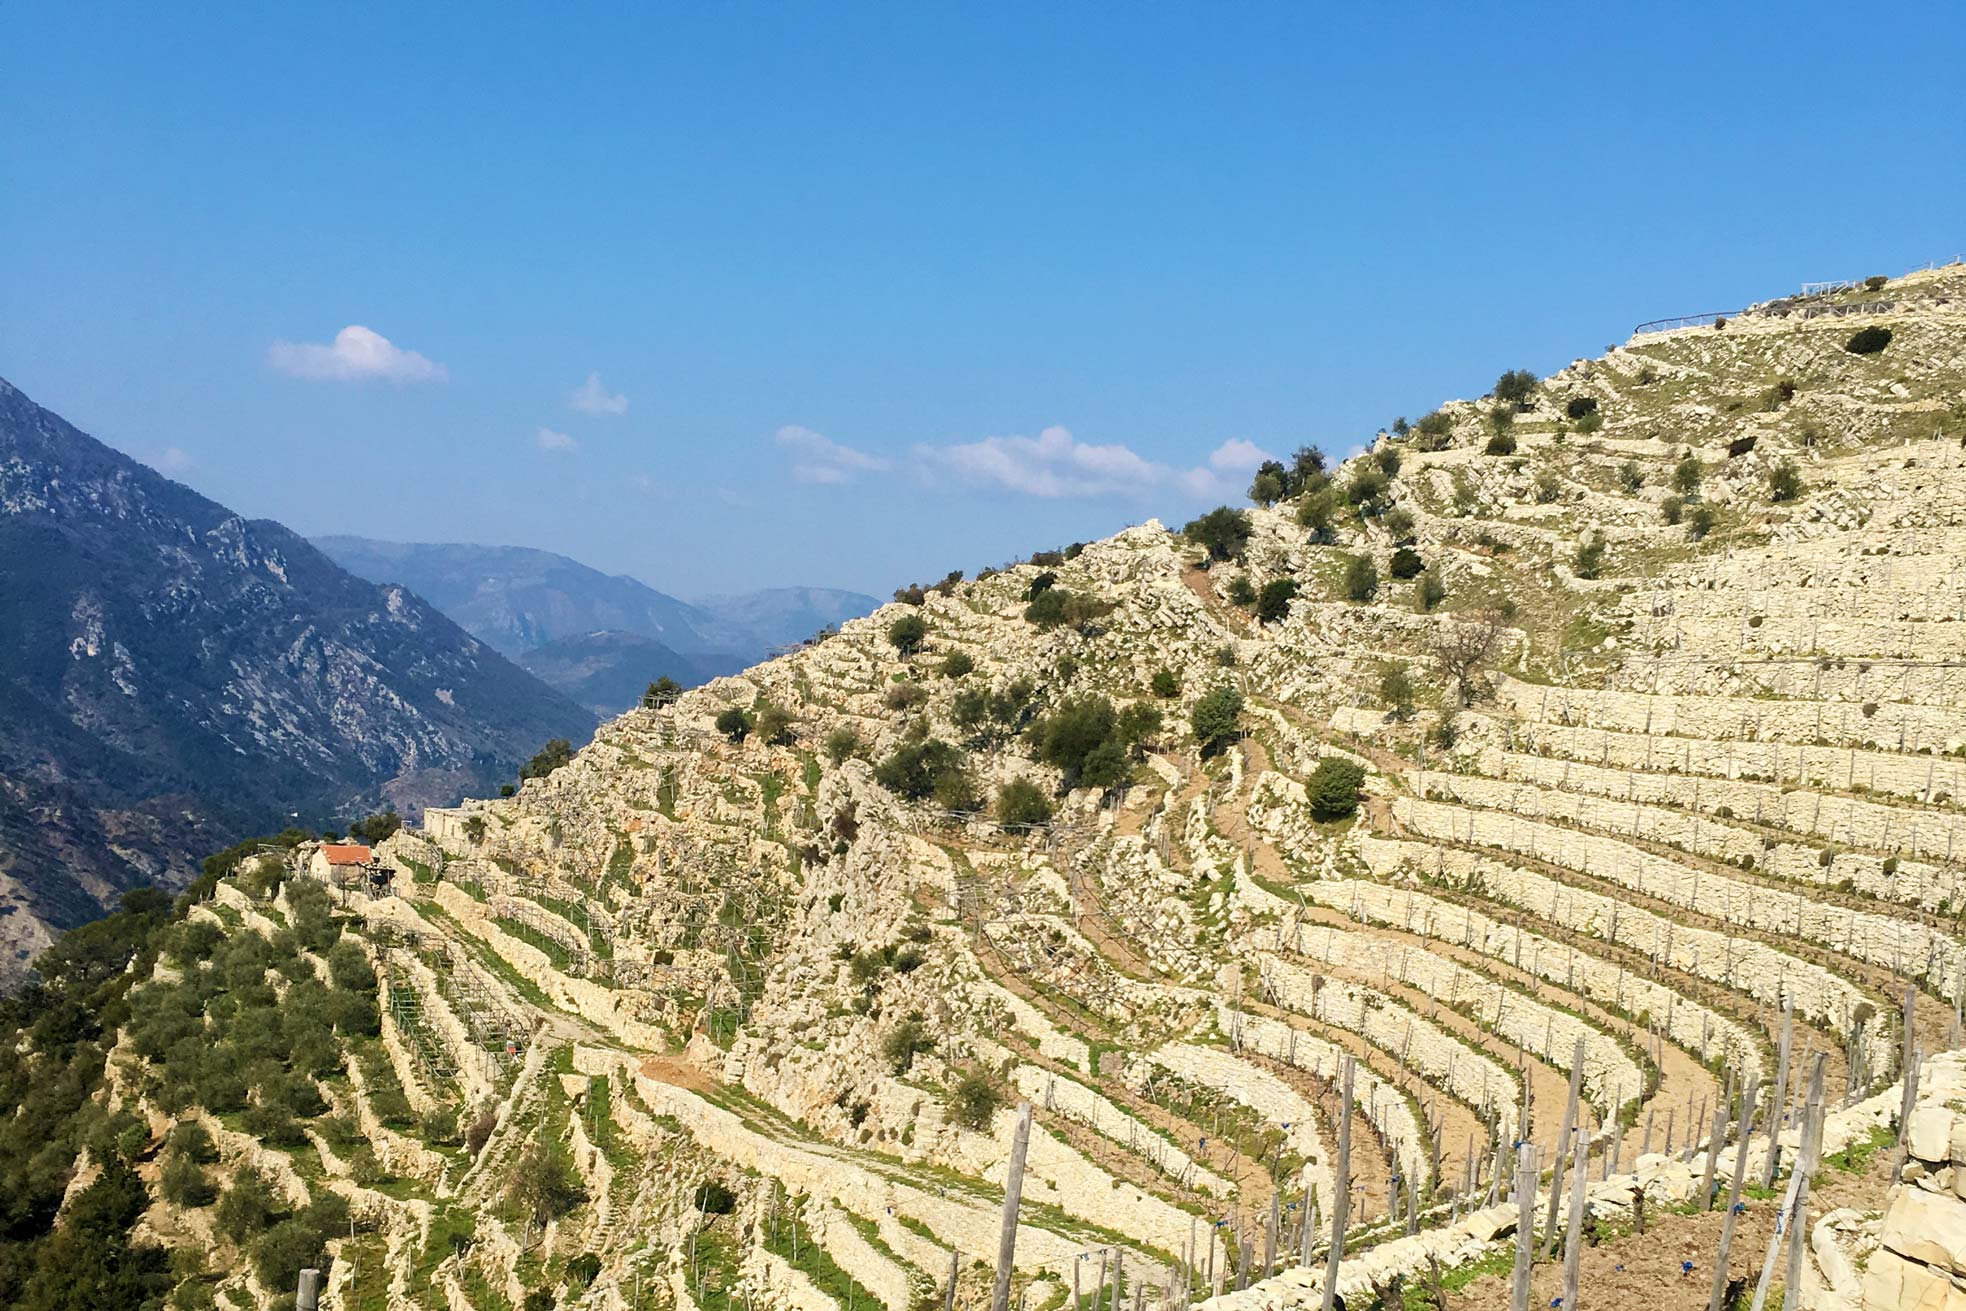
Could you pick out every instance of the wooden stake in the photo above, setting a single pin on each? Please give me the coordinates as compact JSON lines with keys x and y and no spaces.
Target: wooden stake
{"x":1013,"y":1195}
{"x":1733,"y":1196}
{"x":1341,"y":1205}
{"x":1775,"y":1105}
{"x":1525,"y":1226}
{"x":1564,"y":1136}
{"x":1573,"y":1242}
{"x":949,"y":1298}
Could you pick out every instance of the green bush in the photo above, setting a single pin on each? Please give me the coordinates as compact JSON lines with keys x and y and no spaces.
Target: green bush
{"x":842,"y":743}
{"x":1502,"y":443}
{"x":1784,"y":481}
{"x":184,"y":1182}
{"x":957,"y":664}
{"x":1388,"y":460}
{"x":1274,"y":604}
{"x":1361,"y":578}
{"x":904,"y":1042}
{"x":1216,"y":716}
{"x":1368,"y":489}
{"x":661,"y":692}
{"x":915,"y":768}
{"x":1687,"y":474}
{"x":1396,"y":690}
{"x":1058,"y":606}
{"x":1398,"y":523}
{"x":1022,"y":804}
{"x":973,"y":1102}
{"x":1430,"y":591}
{"x":1317,"y":512}
{"x":1164,"y":684}
{"x":1700,"y":522}
{"x":1434,"y":432}
{"x":1224,"y":531}
{"x":1590,"y":558}
{"x":1515,"y":387}
{"x":733,"y":723}
{"x":1672,"y":509}
{"x":1549,"y":487}
{"x":1406,"y":563}
{"x":1333,"y":788}
{"x":544,"y":1184}
{"x":1240,"y":591}
{"x":1868,"y":341}
{"x":775,"y":724}
{"x":715,"y":1198}
{"x":1592,"y":422}
{"x":1630,"y":476}
{"x":1578,"y":406}
{"x":907,"y":634}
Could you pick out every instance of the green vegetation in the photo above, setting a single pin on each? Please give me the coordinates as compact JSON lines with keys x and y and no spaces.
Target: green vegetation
{"x":1058,"y":606}
{"x":1515,"y":387}
{"x":1224,"y":531}
{"x":1274,"y":603}
{"x":1868,"y":341}
{"x":1217,"y":717}
{"x":1333,"y":788}
{"x":1091,"y":743}
{"x":907,"y":634}
{"x":1360,"y":581}
{"x":1022,"y":804}
{"x":550,"y":757}
{"x":663,"y":691}
{"x":733,"y":723}
{"x":1164,"y":684}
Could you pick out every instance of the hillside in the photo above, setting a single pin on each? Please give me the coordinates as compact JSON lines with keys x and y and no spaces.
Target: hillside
{"x":609,"y":671}
{"x":173,"y":677}
{"x":518,"y":599}
{"x":1606,"y":737}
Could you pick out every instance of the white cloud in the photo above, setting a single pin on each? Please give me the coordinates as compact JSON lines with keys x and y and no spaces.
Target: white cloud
{"x":1055,"y":464}
{"x":820,"y":459}
{"x":356,"y":354}
{"x":552,"y":440}
{"x":593,"y":397}
{"x":1237,"y":456}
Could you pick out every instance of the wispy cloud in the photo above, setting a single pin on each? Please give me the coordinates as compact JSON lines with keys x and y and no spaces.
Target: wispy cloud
{"x":173,"y":460}
{"x":820,"y":459}
{"x":593,"y":397}
{"x":356,"y":354}
{"x":1057,"y":465}
{"x":551,"y":439}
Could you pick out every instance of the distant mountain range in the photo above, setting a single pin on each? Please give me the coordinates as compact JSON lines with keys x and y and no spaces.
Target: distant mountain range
{"x":174,"y":677}
{"x":599,"y":638}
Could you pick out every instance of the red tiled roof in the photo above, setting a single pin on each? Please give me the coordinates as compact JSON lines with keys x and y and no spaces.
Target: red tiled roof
{"x":346,"y":853}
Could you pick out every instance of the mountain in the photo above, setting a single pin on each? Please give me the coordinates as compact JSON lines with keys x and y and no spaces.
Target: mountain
{"x":173,"y":677}
{"x":1579,"y":768}
{"x":609,"y":671}
{"x":518,"y":599}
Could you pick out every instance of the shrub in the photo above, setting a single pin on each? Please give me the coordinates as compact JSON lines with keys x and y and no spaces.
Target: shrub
{"x":1224,"y":531}
{"x":549,"y":758}
{"x":1040,"y":583}
{"x":1216,"y":716}
{"x":841,"y":743}
{"x":905,"y":696}
{"x":715,"y":1198}
{"x":1058,"y":606}
{"x":1630,"y":476}
{"x":914,"y":768}
{"x":1406,"y":563}
{"x":1388,"y":460}
{"x":733,"y":723}
{"x":1549,"y":487}
{"x":1590,"y":558}
{"x":973,"y":1102}
{"x":955,"y":792}
{"x":904,"y":1042}
{"x":1868,"y":341}
{"x":1367,"y":489}
{"x":1515,"y":387}
{"x":1672,"y":509}
{"x":1240,"y":591}
{"x":958,"y":664}
{"x":189,"y":1140}
{"x":1502,"y":443}
{"x":1875,"y":282}
{"x":1316,"y":512}
{"x":1274,"y":604}
{"x":249,"y":1207}
{"x":1700,"y":522}
{"x":1784,"y":481}
{"x":1686,"y":475}
{"x":544,"y":1184}
{"x":1431,"y":591}
{"x":1361,"y":578}
{"x":1164,"y":684}
{"x":1267,"y":488}
{"x":1333,"y":788}
{"x":185,"y":1183}
{"x":1592,"y":422}
{"x":1396,"y":690}
{"x":1022,"y":804}
{"x":1578,"y":406}
{"x":907,"y":634}
{"x":775,"y":724}
{"x":912,"y":594}
{"x":1434,"y":432}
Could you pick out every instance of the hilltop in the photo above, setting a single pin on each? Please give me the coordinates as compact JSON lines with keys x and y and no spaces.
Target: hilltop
{"x":1614,"y":716}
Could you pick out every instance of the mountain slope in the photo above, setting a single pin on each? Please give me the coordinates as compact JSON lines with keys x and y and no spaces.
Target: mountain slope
{"x":517,"y":598}
{"x":609,"y":671}
{"x":173,"y":676}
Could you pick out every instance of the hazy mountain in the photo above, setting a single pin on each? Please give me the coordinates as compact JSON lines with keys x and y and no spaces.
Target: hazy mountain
{"x":173,"y":677}
{"x":608,"y":671}
{"x":519,"y":599}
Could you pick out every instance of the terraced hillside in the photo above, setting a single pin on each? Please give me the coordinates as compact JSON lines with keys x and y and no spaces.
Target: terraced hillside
{"x":1612,"y":738}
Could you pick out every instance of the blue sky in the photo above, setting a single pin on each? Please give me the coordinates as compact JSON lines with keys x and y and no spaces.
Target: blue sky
{"x":876,"y":291}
